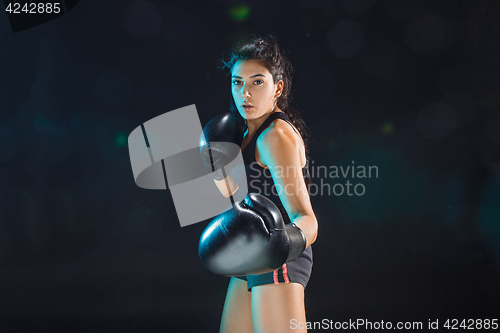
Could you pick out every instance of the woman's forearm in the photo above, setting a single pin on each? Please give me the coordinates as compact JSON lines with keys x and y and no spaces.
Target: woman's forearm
{"x":309,"y":226}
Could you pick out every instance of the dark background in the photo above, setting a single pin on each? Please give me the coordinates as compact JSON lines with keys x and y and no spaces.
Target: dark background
{"x":409,"y":86}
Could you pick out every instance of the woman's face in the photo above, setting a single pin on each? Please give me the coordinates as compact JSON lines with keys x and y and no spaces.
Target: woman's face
{"x":253,"y":89}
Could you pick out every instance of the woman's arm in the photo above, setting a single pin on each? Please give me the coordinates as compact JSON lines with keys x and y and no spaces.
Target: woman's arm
{"x":279,"y":149}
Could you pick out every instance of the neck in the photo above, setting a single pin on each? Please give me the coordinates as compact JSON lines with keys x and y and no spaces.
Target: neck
{"x":254,"y":124}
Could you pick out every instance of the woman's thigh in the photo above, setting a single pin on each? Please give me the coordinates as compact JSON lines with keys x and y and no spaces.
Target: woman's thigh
{"x":236,"y":315}
{"x":278,"y":308}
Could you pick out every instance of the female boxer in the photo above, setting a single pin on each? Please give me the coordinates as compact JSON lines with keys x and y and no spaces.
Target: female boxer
{"x":275,"y":155}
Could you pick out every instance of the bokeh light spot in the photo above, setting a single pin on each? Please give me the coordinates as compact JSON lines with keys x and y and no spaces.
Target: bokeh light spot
{"x":142,"y":19}
{"x":387,"y":128}
{"x":239,"y":12}
{"x":425,"y":33}
{"x":437,"y":121}
{"x":121,"y":139}
{"x":331,"y":143}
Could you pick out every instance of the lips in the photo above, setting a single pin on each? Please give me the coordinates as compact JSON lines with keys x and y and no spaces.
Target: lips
{"x":247,"y":106}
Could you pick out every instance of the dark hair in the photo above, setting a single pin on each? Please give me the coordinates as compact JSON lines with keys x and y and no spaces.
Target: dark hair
{"x":267,"y":51}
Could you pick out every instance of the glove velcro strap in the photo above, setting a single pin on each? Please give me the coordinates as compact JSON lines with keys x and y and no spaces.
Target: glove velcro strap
{"x":297,"y":241}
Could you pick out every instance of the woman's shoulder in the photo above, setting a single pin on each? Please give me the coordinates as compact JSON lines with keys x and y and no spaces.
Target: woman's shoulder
{"x":280,"y":144}
{"x":279,"y":137}
{"x":278,"y":132}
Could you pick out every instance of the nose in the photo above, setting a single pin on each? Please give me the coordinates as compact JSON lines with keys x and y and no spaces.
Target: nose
{"x":244,"y":92}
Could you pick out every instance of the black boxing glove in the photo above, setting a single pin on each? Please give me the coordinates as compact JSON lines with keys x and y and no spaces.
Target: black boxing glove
{"x":250,"y":238}
{"x":214,"y":148}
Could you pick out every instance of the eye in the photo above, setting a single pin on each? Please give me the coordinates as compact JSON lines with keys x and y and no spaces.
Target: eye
{"x":236,"y":82}
{"x":258,"y":82}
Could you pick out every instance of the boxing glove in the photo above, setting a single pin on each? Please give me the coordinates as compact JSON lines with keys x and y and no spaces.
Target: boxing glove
{"x":250,"y":238}
{"x":220,"y":143}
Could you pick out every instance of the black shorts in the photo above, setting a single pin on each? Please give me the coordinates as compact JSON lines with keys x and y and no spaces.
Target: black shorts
{"x":298,"y":271}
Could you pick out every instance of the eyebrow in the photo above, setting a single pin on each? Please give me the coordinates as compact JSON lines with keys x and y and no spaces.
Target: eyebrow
{"x":255,"y":75}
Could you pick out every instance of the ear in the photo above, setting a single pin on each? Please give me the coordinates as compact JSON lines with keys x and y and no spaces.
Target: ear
{"x":279,"y":89}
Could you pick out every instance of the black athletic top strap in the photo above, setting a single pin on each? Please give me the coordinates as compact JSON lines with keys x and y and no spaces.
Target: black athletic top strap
{"x":249,"y":150}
